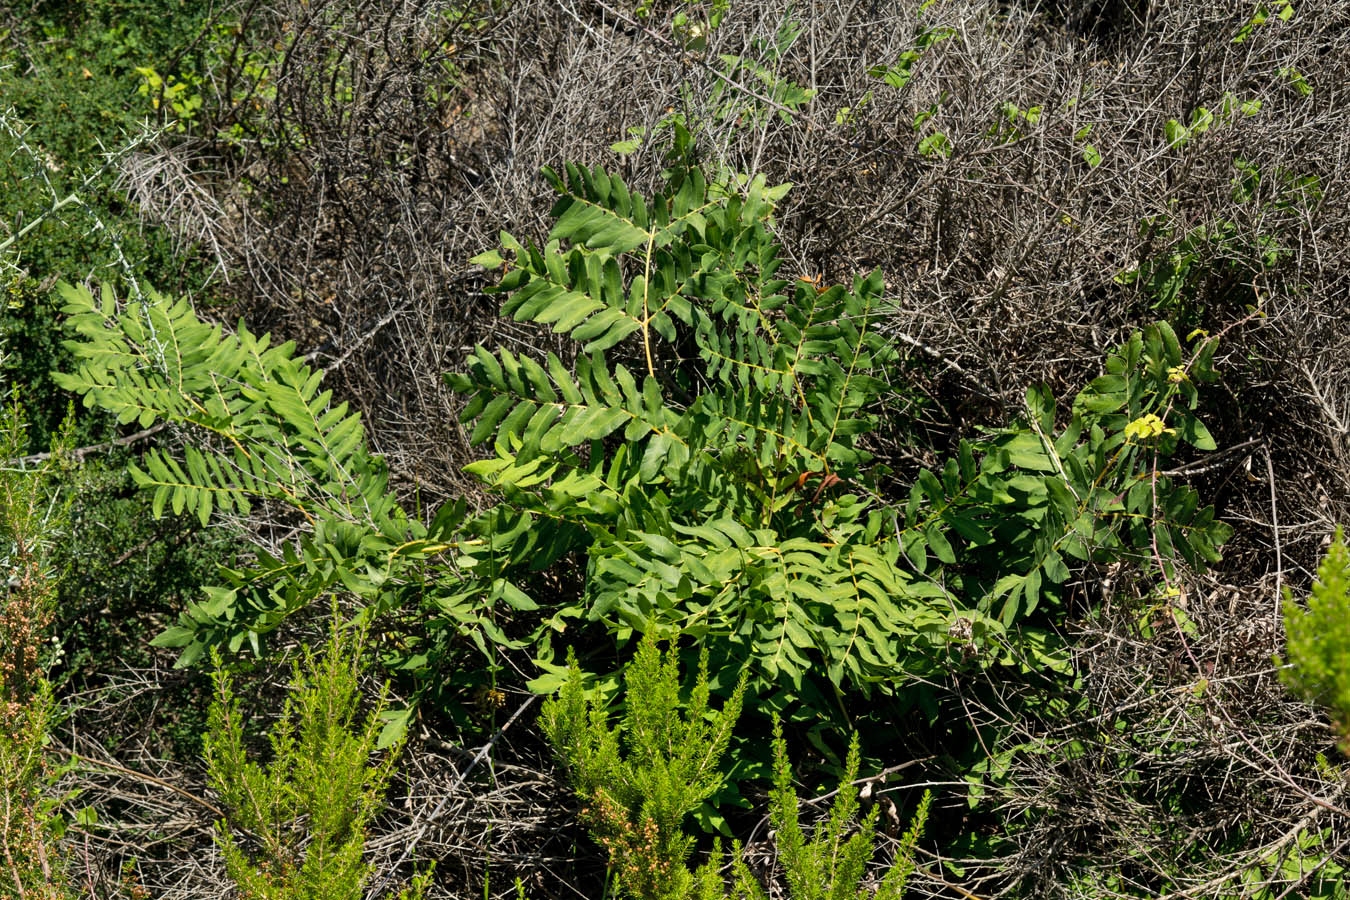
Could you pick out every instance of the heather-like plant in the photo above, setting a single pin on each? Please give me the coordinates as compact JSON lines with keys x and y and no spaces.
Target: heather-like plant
{"x":830,"y":863}
{"x":32,"y":863}
{"x":296,"y":828}
{"x":1318,"y":639}
{"x":639,"y":782}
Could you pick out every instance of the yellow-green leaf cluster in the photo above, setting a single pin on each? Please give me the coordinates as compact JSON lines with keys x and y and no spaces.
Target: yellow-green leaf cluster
{"x":1317,"y":641}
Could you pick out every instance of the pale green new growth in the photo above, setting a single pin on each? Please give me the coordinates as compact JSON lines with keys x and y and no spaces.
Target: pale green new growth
{"x":638,"y":789}
{"x":831,"y":863}
{"x":297,"y":826}
{"x":1318,"y":639}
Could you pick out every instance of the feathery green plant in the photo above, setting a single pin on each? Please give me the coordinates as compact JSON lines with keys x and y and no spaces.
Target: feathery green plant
{"x":154,"y":360}
{"x":830,"y":864}
{"x":740,"y":505}
{"x":32,"y":864}
{"x":1318,"y":639}
{"x":640,"y":782}
{"x":296,"y":827}
{"x":259,"y":429}
{"x":265,"y":433}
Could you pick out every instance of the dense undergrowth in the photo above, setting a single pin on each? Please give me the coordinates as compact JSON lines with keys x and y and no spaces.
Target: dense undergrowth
{"x":954,"y":386}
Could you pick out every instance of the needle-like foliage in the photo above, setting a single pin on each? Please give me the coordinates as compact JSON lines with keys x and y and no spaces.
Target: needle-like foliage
{"x":1318,"y":639}
{"x":297,"y":825}
{"x":639,"y":782}
{"x":32,"y":863}
{"x":831,"y":862}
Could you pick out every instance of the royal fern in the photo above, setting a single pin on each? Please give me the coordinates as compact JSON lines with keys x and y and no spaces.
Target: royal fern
{"x":714,"y":476}
{"x":277,"y":436}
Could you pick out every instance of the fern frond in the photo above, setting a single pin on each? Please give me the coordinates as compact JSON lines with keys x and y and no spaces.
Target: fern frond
{"x":515,"y":399}
{"x":279,"y":436}
{"x":581,"y":292}
{"x":261,"y":428}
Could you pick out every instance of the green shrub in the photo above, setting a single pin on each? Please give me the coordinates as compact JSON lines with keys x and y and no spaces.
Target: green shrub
{"x":832,"y":862}
{"x":267,"y":433}
{"x":717,"y":483}
{"x":640,"y":782}
{"x":31,"y":861}
{"x":1318,"y":639}
{"x":296,"y":827}
{"x":741,"y":505}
